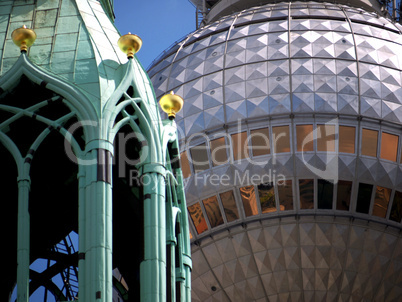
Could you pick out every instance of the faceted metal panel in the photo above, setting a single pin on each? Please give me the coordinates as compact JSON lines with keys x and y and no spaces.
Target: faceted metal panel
{"x":307,"y":260}
{"x":335,"y":42}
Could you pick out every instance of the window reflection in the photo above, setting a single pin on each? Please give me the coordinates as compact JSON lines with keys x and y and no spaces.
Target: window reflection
{"x":218,"y":151}
{"x":325,"y":192}
{"x":396,"y":210}
{"x":285,"y":194}
{"x":240,"y":145}
{"x":305,"y":138}
{"x":266,"y":194}
{"x":382,"y":196}
{"x":347,"y":139}
{"x":326,"y":138}
{"x":369,"y":142}
{"x":344,"y":193}
{"x":260,"y":141}
{"x":229,"y":205}
{"x":199,"y":158}
{"x":249,"y":202}
{"x":364,"y":198}
{"x":306,"y":190}
{"x":213,"y":212}
{"x":389,"y":146}
{"x":185,"y":166}
{"x":197,"y":217}
{"x":281,"y":139}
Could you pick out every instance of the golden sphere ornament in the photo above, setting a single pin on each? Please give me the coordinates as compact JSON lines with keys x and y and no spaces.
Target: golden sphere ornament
{"x":23,"y":37}
{"x":130,"y":44}
{"x":171,"y":104}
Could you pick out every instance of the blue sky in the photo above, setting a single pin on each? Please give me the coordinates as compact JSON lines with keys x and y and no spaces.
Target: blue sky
{"x":159,"y":23}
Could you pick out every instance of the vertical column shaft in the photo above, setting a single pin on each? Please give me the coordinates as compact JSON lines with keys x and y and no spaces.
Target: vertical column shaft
{"x":97,"y":229}
{"x":171,"y":274}
{"x":81,"y":231}
{"x":153,"y":268}
{"x":186,"y":295}
{"x":23,"y":241}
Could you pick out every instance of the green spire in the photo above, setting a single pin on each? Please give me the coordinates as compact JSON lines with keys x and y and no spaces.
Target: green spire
{"x":108,"y":7}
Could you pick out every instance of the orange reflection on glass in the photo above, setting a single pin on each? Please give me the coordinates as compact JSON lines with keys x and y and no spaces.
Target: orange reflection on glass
{"x":306,"y":190}
{"x":326,"y":138}
{"x":249,"y":202}
{"x":347,"y":139}
{"x":213,"y":212}
{"x":185,"y":166}
{"x":229,"y":205}
{"x":199,"y":158}
{"x":240,"y":145}
{"x":382,"y":196}
{"x":266,"y":193}
{"x":305,"y":138}
{"x":218,"y":151}
{"x":389,"y":146}
{"x":369,"y":142}
{"x":197,"y":217}
{"x":285,"y":194}
{"x":281,"y":139}
{"x":260,"y":141}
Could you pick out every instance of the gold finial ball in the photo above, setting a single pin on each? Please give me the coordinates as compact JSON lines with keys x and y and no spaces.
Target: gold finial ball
{"x":130,"y":44}
{"x":23,"y":37}
{"x":171,"y":104}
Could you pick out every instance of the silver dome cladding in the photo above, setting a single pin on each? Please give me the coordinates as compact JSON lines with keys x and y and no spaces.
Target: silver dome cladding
{"x":261,"y":70}
{"x":245,"y":56}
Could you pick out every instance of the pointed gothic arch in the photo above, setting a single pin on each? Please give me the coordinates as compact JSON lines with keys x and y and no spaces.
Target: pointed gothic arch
{"x":35,"y":114}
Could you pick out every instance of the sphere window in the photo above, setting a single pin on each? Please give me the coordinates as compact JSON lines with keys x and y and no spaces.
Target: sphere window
{"x":185,"y":166}
{"x":229,"y":205}
{"x":305,"y":138}
{"x":325,"y":193}
{"x":197,"y":217}
{"x":382,"y":196}
{"x":281,"y":139}
{"x":396,"y":210}
{"x":249,"y":202}
{"x":240,"y":145}
{"x":213,"y":211}
{"x":344,"y":193}
{"x":389,"y":146}
{"x":266,"y":193}
{"x":364,"y":198}
{"x":326,"y":138}
{"x":285,"y":194}
{"x":306,"y":191}
{"x":260,"y":142}
{"x":199,"y":158}
{"x":219,"y":151}
{"x":369,"y":142}
{"x":347,"y":137}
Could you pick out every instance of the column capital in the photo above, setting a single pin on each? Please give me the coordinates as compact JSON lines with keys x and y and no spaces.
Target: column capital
{"x":153,"y":168}
{"x":99,"y":144}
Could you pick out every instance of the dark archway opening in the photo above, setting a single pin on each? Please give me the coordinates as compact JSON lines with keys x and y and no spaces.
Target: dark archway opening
{"x":53,"y":200}
{"x":8,"y":221}
{"x":128,"y":222}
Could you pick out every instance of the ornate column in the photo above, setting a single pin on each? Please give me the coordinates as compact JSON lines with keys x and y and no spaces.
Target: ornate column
{"x":96,"y":227}
{"x":23,"y":239}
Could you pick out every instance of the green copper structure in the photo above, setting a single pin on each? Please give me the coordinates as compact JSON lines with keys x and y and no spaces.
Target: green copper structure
{"x":86,"y":153}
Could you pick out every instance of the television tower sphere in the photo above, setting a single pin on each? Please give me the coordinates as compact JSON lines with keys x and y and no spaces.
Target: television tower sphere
{"x":291,"y":150}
